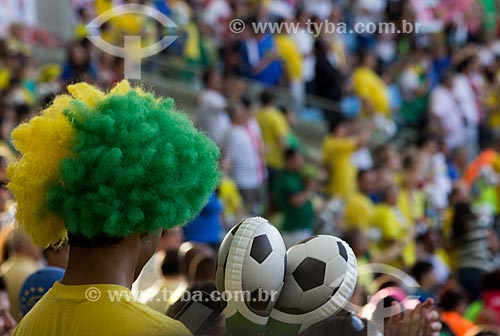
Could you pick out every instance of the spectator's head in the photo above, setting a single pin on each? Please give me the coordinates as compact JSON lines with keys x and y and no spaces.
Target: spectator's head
{"x":36,"y":285}
{"x":111,"y":196}
{"x":454,"y":300}
{"x":236,"y":114}
{"x":7,"y":322}
{"x":367,"y":59}
{"x":340,"y":126}
{"x":202,"y":269}
{"x":389,"y":195}
{"x":367,"y":181}
{"x":459,"y":194}
{"x":430,"y":241}
{"x":246,"y":104}
{"x":294,"y":160}
{"x":170,"y":265}
{"x":266,"y":98}
{"x":321,"y":48}
{"x":189,"y":251}
{"x":469,"y":64}
{"x":423,"y":272}
{"x":78,"y":56}
{"x":447,"y":79}
{"x":212,"y":80}
{"x":23,"y":112}
{"x":388,"y":158}
{"x":57,"y":256}
{"x":412,"y":172}
{"x":357,"y":241}
{"x":18,"y":243}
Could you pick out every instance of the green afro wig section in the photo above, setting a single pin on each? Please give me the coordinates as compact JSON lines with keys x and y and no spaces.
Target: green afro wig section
{"x":136,"y":166}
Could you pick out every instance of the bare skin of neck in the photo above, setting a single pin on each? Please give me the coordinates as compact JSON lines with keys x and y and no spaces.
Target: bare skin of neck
{"x":116,"y":264}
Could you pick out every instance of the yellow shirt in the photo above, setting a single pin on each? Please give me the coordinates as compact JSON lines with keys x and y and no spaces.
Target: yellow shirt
{"x":394,"y":227}
{"x":274,"y":129}
{"x":368,"y":85}
{"x":66,"y":310}
{"x":15,"y":270}
{"x":412,"y":204}
{"x":359,"y":212}
{"x":291,"y":56}
{"x":230,"y":197}
{"x":337,"y":154}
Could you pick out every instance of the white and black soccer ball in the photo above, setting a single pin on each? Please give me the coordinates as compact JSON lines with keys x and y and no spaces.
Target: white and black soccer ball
{"x":251,"y":265}
{"x":320,"y":279}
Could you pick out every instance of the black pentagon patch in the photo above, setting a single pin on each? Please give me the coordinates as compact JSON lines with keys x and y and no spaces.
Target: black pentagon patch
{"x":342,"y":250}
{"x":310,"y":274}
{"x":235,"y":228}
{"x":261,"y":248}
{"x":307,"y":239}
{"x":259,"y":302}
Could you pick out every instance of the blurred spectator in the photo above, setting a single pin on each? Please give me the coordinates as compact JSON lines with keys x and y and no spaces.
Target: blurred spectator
{"x":394,"y":227}
{"x":470,"y":237}
{"x":289,"y":52}
{"x":294,"y":200}
{"x":338,"y":149}
{"x":446,"y":112}
{"x":168,"y":288}
{"x":212,"y":107}
{"x":453,"y":304}
{"x":24,"y":259}
{"x":359,"y":208}
{"x":36,"y":285}
{"x":245,"y":160}
{"x":429,"y":249}
{"x":370,"y":87}
{"x":423,"y":272}
{"x":328,"y":80}
{"x":7,"y":322}
{"x":207,"y":227}
{"x":79,"y":66}
{"x":275,"y":131}
{"x":260,"y":58}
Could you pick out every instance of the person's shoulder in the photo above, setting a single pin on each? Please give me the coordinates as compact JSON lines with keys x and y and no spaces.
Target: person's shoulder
{"x":153,"y":320}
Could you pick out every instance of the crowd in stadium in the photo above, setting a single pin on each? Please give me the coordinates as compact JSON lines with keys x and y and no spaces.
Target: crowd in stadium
{"x":409,"y":167}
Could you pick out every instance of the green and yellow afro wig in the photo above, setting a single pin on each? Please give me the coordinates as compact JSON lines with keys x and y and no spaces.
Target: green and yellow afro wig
{"x":96,"y":164}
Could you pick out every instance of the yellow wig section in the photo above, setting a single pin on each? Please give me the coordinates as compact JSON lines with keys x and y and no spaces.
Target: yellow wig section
{"x":43,"y":142}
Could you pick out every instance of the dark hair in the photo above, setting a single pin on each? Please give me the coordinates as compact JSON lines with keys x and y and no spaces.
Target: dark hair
{"x":451,"y":299}
{"x":336,"y":120}
{"x":3,"y":285}
{"x":490,"y":281}
{"x":246,"y":102}
{"x":420,"y":269}
{"x":100,"y":241}
{"x":290,"y":153}
{"x":351,"y":236}
{"x":207,"y":75}
{"x":361,"y":174}
{"x":462,"y":218}
{"x":266,"y":98}
{"x":170,"y":264}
